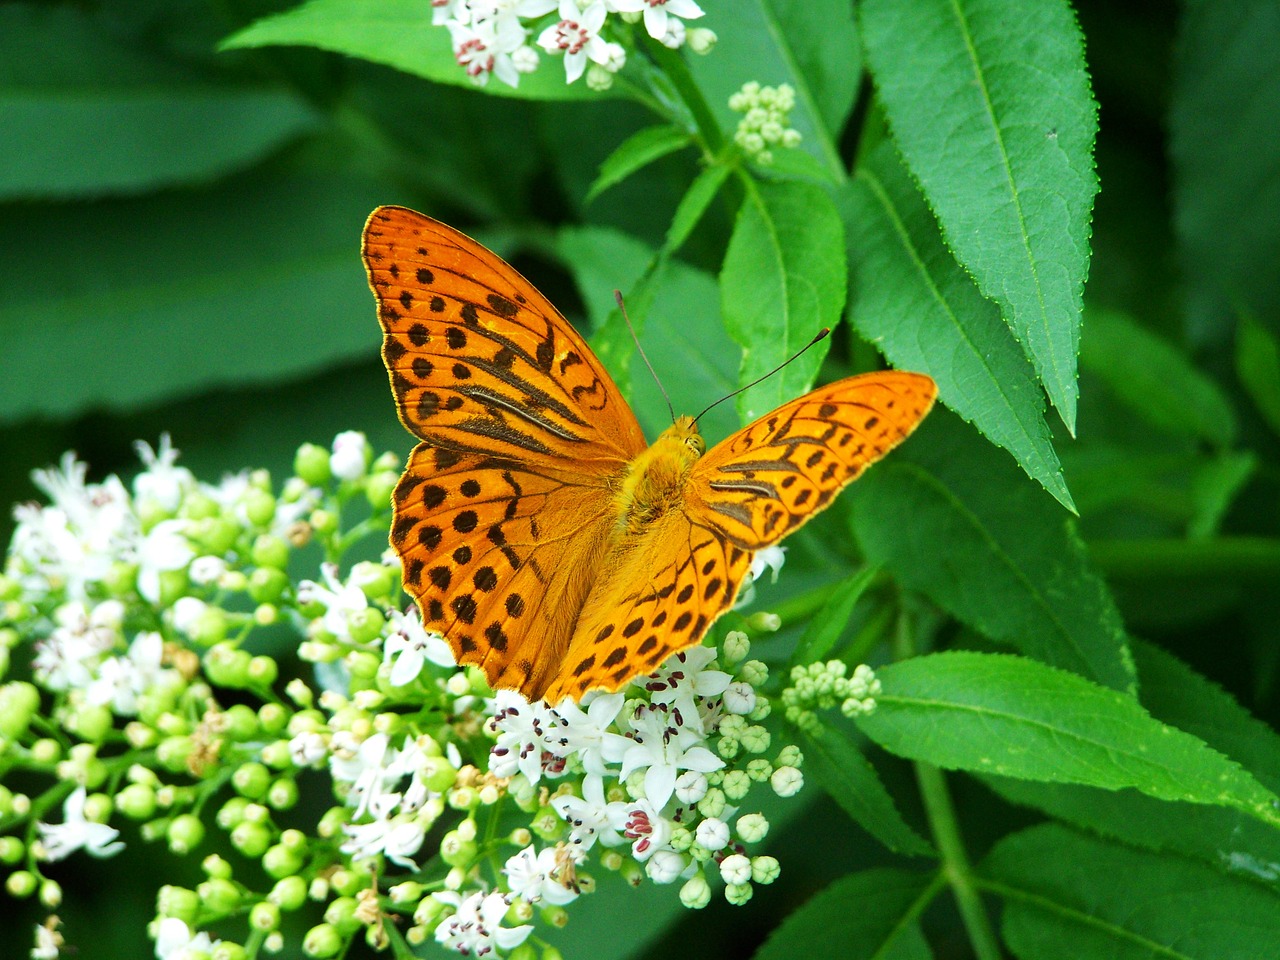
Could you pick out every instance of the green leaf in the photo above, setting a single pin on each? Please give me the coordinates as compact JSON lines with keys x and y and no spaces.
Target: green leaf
{"x":1214,"y":488}
{"x":951,"y":517}
{"x":680,"y":329}
{"x":396,"y":33}
{"x":1068,"y":896}
{"x":918,"y":306}
{"x":754,"y":43}
{"x":1155,"y":380}
{"x":871,"y":915}
{"x":823,"y":40}
{"x":706,"y":185}
{"x":639,"y":150}
{"x":143,"y":300}
{"x":828,"y":624}
{"x":84,"y":115}
{"x":1225,"y":839}
{"x":1223,"y":118}
{"x":1006,"y":715}
{"x":782,"y":281}
{"x":989,"y":102}
{"x":853,"y":783}
{"x":1258,"y":367}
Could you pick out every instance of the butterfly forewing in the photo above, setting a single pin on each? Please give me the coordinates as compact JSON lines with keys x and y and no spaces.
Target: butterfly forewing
{"x":769,"y":478}
{"x":482,"y":363}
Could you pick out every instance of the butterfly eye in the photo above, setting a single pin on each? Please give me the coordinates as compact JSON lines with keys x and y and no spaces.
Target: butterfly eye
{"x":696,"y":444}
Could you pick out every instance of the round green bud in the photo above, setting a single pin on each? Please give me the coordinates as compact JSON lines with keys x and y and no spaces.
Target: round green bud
{"x":273,"y":717}
{"x":264,"y":916}
{"x":713,"y":804}
{"x":11,"y":850}
{"x":270,"y":552}
{"x":276,"y":755}
{"x":262,"y":671}
{"x":289,"y":893}
{"x":324,"y":522}
{"x":177,"y":902}
{"x":226,"y":950}
{"x":227,"y":665}
{"x":366,"y":625}
{"x":185,"y":833}
{"x":199,"y":506}
{"x":736,"y":785}
{"x":209,"y":627}
{"x":322,"y":941}
{"x":341,"y":913}
{"x":283,"y":794}
{"x":738,"y":893}
{"x":332,"y":822}
{"x":21,"y":884}
{"x":311,"y":463}
{"x":251,"y":839}
{"x":410,"y":891}
{"x":259,"y":506}
{"x":50,"y":894}
{"x":279,"y":861}
{"x":46,"y":750}
{"x":240,"y":722}
{"x":214,"y":535}
{"x":551,"y":953}
{"x":696,"y":892}
{"x":91,"y":722}
{"x":219,"y":896}
{"x":526,"y":951}
{"x":216,"y":867}
{"x":267,"y":585}
{"x":19,"y":701}
{"x":232,"y":812}
{"x":172,"y":753}
{"x":379,"y":487}
{"x":348,"y":882}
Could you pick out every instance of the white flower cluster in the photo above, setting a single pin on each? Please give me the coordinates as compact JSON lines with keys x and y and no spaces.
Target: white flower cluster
{"x":820,"y":686}
{"x":766,"y":118}
{"x":492,"y":37}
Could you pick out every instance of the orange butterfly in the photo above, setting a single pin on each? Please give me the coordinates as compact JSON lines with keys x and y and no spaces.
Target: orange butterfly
{"x":539,"y":533}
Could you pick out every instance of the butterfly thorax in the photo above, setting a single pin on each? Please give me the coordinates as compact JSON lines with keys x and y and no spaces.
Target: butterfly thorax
{"x":655,"y":480}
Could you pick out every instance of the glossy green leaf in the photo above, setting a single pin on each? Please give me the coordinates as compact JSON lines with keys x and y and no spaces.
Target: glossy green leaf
{"x":639,"y":150}
{"x":85,"y":115}
{"x":1214,"y":488}
{"x":1006,"y":715}
{"x":783,"y":280}
{"x":952,"y":517}
{"x":989,"y":102}
{"x":1068,"y":896}
{"x":823,"y":42}
{"x":1155,"y":380}
{"x":921,"y":309}
{"x":884,"y":925}
{"x":396,"y":33}
{"x":852,"y":782}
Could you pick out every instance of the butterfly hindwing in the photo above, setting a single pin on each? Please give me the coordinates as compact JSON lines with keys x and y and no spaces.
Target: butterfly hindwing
{"x":761,"y":483}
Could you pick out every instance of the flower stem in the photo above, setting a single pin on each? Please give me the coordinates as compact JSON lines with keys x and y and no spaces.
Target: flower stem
{"x":945,"y":829}
{"x":677,"y":72}
{"x":1221,"y":557}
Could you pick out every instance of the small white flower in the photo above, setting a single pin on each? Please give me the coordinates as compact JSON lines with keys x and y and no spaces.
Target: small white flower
{"x":529,"y":738}
{"x":164,"y":548}
{"x":712,"y":833}
{"x":397,"y":837}
{"x":60,"y":840}
{"x":48,"y":942}
{"x":664,"y":745}
{"x":476,"y":928}
{"x":735,"y":868}
{"x":68,"y":658}
{"x":587,"y":733}
{"x":540,"y":877}
{"x":351,"y":454}
{"x":739,"y":699}
{"x":162,"y":481}
{"x":691,"y":787}
{"x":339,"y":600}
{"x":659,"y":15}
{"x":484,"y":47}
{"x":577,"y":36}
{"x":176,"y":941}
{"x":309,"y":749}
{"x":206,"y":570}
{"x":640,"y":822}
{"x":665,"y":866}
{"x":589,"y":816}
{"x":409,"y":647}
{"x":120,"y":680}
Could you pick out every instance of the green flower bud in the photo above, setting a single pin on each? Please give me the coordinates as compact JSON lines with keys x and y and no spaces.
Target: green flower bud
{"x":457,"y":852}
{"x":753,"y":827}
{"x":214,"y":535}
{"x":738,"y":893}
{"x":274,"y":718}
{"x":259,"y":506}
{"x":226,"y":950}
{"x":216,"y":867}
{"x":279,"y":862}
{"x":227,"y":665}
{"x":269,"y":552}
{"x":379,"y":487}
{"x":19,"y":701}
{"x":264,"y":916}
{"x":283,"y":794}
{"x":210,"y":627}
{"x":199,"y":506}
{"x":756,"y":739}
{"x":324,"y":522}
{"x":185,"y":833}
{"x":50,"y":894}
{"x":46,"y":750}
{"x":341,"y":913}
{"x":764,"y":870}
{"x":177,"y":902}
{"x":696,"y":893}
{"x":172,"y":753}
{"x":276,"y":755}
{"x":713,"y":804}
{"x":526,"y":951}
{"x":267,"y":585}
{"x":11,"y":850}
{"x":322,"y":941}
{"x":289,"y":893}
{"x":232,"y":813}
{"x":251,"y":839}
{"x":736,"y":785}
{"x":240,"y":723}
{"x":410,"y":891}
{"x":21,"y":884}
{"x":311,"y":463}
{"x":262,"y":671}
{"x":365,"y":626}
{"x":348,"y":882}
{"x":219,"y":896}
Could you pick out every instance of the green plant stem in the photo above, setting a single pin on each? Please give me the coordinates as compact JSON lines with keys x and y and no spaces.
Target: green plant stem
{"x":677,"y":72}
{"x":1252,"y":558}
{"x":941,"y":815}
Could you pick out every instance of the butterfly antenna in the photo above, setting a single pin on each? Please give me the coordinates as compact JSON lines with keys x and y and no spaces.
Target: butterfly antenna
{"x":821,"y":335}
{"x":617,"y":295}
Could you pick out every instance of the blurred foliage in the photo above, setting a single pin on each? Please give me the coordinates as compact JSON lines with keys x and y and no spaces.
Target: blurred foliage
{"x":181,"y":231}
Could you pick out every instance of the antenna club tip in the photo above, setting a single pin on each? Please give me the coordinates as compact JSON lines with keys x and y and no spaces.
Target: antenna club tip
{"x":617,"y":296}
{"x":822,"y":334}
